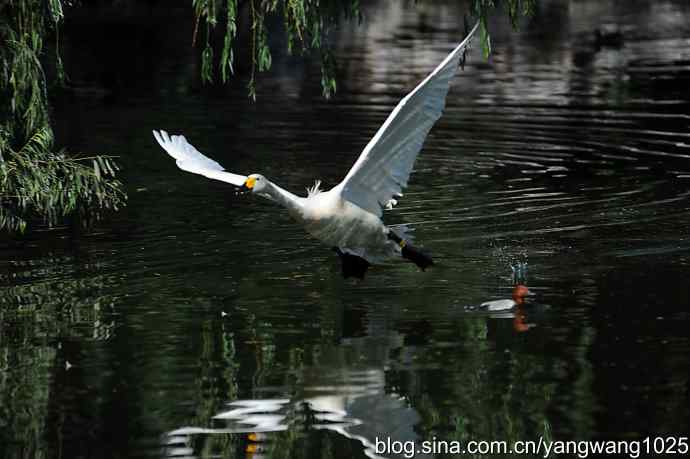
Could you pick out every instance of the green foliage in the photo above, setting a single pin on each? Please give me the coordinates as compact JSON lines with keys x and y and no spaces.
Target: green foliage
{"x":307,"y":24}
{"x":482,"y":9}
{"x":35,"y":180}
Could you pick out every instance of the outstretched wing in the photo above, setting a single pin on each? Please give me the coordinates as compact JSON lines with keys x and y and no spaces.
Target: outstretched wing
{"x":384,"y":167}
{"x":190,"y":159}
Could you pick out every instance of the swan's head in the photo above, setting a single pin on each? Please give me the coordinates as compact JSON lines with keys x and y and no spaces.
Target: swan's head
{"x":255,"y":183}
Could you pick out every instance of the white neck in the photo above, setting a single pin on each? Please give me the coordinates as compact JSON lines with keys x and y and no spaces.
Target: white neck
{"x":283,"y":197}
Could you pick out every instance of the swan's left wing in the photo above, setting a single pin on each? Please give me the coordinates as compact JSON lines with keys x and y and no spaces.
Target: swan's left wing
{"x":190,"y":159}
{"x":384,"y":167}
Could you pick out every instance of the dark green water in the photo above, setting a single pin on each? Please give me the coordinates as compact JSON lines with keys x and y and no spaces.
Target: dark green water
{"x":145,"y":336}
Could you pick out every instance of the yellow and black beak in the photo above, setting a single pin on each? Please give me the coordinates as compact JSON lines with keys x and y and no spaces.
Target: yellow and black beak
{"x":248,"y":184}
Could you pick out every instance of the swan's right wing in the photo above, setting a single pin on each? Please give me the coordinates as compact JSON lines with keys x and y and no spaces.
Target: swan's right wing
{"x":384,"y":167}
{"x":190,"y":159}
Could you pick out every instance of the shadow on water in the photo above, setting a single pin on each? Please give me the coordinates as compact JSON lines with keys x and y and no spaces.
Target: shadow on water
{"x":198,"y":323}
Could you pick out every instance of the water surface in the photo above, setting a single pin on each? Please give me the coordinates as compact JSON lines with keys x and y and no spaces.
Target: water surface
{"x":197,"y":323}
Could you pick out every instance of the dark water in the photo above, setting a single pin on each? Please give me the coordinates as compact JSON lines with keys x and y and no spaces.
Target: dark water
{"x":197,"y":323}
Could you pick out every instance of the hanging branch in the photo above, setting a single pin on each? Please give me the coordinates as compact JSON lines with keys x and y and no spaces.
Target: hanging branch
{"x":307,"y":26}
{"x":36,"y":181}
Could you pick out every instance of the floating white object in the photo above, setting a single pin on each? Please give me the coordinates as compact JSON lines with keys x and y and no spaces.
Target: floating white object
{"x":518,"y":298}
{"x":498,"y":305}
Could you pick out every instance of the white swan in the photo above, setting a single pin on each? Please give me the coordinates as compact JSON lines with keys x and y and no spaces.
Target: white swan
{"x":348,"y":217}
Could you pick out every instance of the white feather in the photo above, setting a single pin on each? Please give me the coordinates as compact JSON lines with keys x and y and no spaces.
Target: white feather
{"x":190,"y":159}
{"x":384,"y":167}
{"x":314,"y":190}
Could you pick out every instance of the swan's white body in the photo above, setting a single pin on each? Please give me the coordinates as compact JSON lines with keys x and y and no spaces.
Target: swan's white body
{"x":338,"y":222}
{"x":348,"y":216}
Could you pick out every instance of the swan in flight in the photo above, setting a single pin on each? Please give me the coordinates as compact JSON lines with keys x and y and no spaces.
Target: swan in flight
{"x":348,"y":216}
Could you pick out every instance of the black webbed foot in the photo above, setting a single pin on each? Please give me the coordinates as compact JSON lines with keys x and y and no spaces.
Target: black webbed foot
{"x":417,"y":256}
{"x":352,"y":265}
{"x":412,"y":253}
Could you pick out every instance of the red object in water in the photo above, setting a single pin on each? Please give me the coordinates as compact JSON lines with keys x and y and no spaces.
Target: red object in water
{"x":519,"y":293}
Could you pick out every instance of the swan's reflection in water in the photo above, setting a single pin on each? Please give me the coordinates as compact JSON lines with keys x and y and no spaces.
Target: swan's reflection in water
{"x":350,"y":399}
{"x":352,"y":403}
